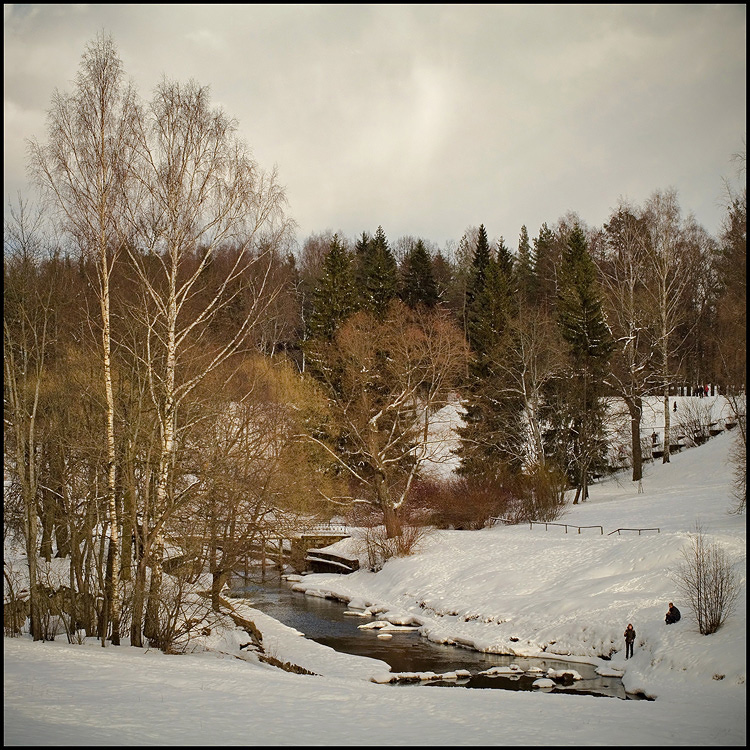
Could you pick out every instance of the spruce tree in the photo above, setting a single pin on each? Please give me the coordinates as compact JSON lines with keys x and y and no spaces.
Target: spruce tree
{"x":418,"y":286}
{"x":473,"y":308}
{"x":580,"y":317}
{"x":362,"y":249}
{"x":333,"y":297}
{"x":524,"y":271}
{"x":492,"y":436}
{"x":491,"y":307}
{"x":544,"y":262}
{"x":442,"y":272}
{"x":377,"y":280}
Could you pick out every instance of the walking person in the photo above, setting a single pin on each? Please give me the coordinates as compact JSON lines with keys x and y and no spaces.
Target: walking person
{"x":629,"y":638}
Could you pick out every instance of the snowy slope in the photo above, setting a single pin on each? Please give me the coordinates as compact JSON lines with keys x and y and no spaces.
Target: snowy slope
{"x":511,"y":589}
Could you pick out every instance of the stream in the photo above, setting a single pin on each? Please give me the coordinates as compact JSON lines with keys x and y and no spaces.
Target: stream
{"x":324,"y":621}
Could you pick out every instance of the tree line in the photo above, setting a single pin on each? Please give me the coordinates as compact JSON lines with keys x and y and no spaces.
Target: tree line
{"x":183,"y":387}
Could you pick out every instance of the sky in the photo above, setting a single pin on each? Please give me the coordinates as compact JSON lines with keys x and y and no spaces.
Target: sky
{"x":428,"y":119}
{"x":507,"y":589}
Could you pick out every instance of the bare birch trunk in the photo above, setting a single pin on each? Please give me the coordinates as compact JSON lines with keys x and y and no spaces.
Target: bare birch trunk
{"x":114,"y":537}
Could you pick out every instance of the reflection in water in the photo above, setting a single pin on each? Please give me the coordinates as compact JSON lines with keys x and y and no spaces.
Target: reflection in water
{"x":324,"y":621}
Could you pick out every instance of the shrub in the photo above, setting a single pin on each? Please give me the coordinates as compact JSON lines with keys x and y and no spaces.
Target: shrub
{"x":708,"y":582}
{"x":377,"y":547}
{"x":461,"y":502}
{"x":541,"y":493}
{"x":693,"y":420}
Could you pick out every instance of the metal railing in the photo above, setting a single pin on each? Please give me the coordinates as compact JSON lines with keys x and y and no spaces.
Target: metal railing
{"x":494,"y":520}
{"x":617,"y":531}
{"x":565,"y":525}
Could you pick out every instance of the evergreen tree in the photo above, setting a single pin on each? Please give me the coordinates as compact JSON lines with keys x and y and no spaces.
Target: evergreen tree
{"x":376,"y":277}
{"x":544,"y":262}
{"x":524,"y":271}
{"x":491,"y":307}
{"x":492,"y":435}
{"x":442,"y":272}
{"x":475,"y":288}
{"x":582,"y":324}
{"x":418,"y":286}
{"x":333,"y":297}
{"x":362,"y":249}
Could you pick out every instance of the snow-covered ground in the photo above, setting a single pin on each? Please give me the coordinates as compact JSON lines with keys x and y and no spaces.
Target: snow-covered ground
{"x":508,"y":589}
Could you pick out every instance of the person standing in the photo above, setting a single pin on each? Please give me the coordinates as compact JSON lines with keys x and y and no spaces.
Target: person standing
{"x":629,"y":639}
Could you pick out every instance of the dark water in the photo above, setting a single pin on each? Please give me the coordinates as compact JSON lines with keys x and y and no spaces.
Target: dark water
{"x":324,"y":621}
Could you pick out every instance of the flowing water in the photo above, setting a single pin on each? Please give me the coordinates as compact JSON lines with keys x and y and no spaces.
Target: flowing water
{"x":324,"y":621}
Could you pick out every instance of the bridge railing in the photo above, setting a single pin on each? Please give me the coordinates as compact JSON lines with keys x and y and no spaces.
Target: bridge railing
{"x":327,"y":528}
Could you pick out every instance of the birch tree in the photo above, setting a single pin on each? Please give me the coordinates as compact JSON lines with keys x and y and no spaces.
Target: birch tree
{"x":26,"y":344}
{"x":203,"y":195}
{"x":83,"y":169}
{"x":667,"y":268}
{"x":633,"y":372}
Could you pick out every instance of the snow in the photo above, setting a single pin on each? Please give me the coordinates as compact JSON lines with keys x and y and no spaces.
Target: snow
{"x":512,"y":589}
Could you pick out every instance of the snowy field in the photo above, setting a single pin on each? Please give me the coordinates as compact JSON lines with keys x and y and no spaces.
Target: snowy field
{"x":506,"y":589}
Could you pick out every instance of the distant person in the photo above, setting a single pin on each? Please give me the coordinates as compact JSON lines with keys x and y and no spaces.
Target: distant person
{"x":700,"y":391}
{"x":673,"y":614}
{"x":705,"y":390}
{"x":629,"y":638}
{"x":675,"y":406}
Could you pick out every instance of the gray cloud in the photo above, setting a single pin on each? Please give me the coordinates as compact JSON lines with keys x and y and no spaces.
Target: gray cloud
{"x":427,"y":119}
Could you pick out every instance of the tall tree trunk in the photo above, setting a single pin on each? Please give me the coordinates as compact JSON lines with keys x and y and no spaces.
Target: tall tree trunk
{"x":635,"y":407}
{"x":151,"y":628}
{"x":114,"y":537}
{"x":106,"y":613}
{"x":218,"y":579}
{"x":151,"y":625}
{"x":667,"y":422}
{"x":31,"y":524}
{"x":139,"y":600}
{"x":390,"y":516}
{"x":48,"y":522}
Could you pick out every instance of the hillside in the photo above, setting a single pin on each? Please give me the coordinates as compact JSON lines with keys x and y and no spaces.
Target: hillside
{"x":511,"y":589}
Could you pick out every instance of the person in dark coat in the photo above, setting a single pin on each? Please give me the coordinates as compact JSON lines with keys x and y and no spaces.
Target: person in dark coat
{"x":673,"y":614}
{"x":629,"y":638}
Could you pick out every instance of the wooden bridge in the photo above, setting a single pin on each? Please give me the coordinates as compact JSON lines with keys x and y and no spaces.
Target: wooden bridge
{"x":307,"y":554}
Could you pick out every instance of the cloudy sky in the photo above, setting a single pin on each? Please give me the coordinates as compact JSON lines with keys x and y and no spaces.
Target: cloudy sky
{"x":428,"y":119}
